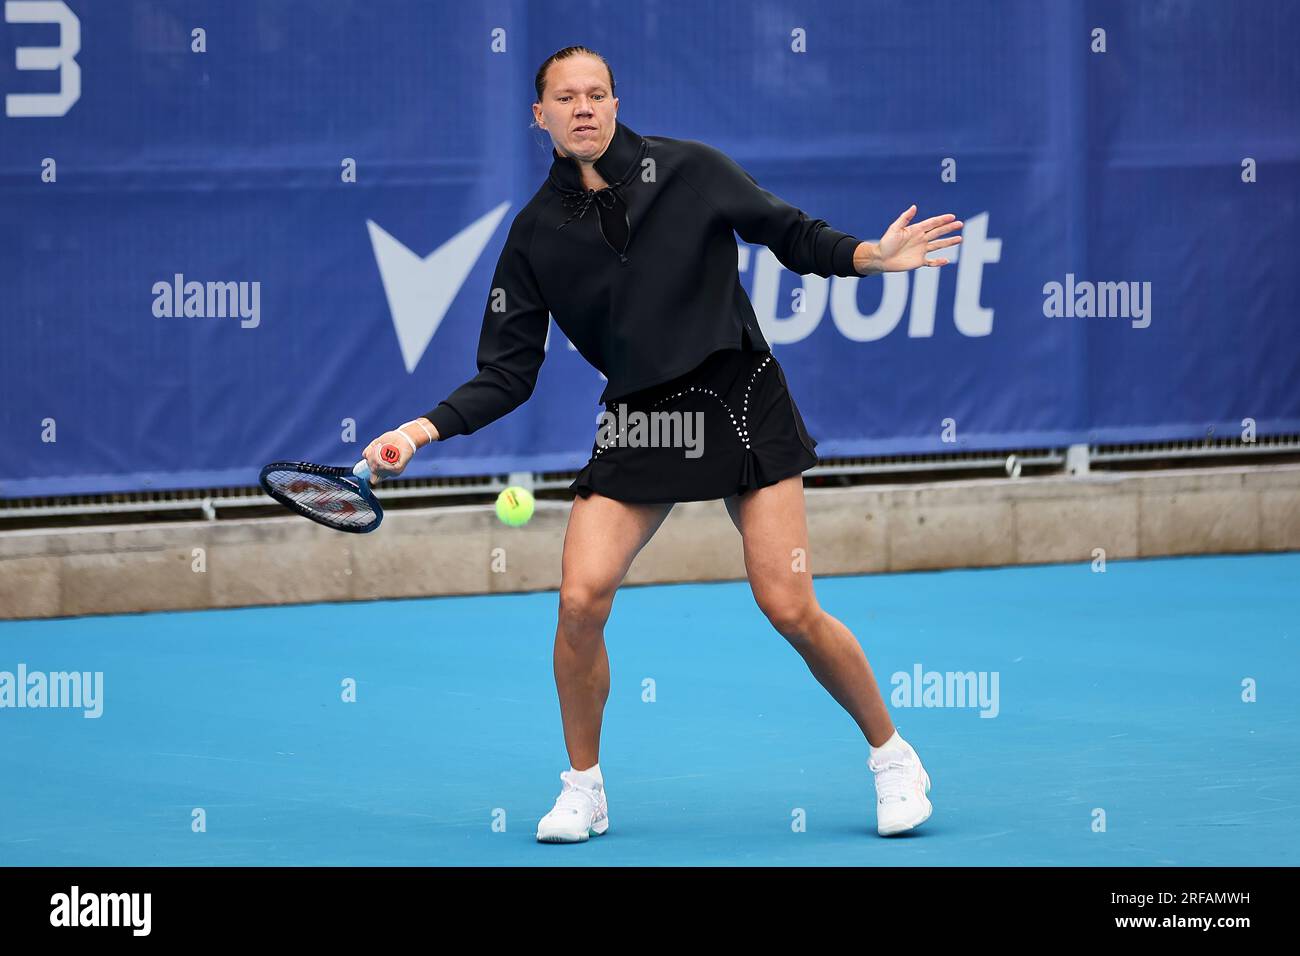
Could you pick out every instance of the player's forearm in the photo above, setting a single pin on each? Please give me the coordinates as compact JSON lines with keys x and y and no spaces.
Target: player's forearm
{"x":446,"y":421}
{"x":802,"y":244}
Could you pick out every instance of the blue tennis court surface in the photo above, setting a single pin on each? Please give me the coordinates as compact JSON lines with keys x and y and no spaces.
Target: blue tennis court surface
{"x":1118,"y":692}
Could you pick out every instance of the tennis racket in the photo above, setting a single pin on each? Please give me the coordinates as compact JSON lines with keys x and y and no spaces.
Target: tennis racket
{"x":338,"y":498}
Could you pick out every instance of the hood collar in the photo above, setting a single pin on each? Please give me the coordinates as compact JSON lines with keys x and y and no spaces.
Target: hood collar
{"x":616,"y":164}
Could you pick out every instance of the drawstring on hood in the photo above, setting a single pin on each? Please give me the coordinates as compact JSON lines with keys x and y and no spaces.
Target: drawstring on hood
{"x":579,"y":203}
{"x":617,"y":165}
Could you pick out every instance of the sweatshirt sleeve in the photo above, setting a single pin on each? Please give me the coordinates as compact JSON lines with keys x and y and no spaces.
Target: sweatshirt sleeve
{"x":802,"y":245}
{"x":511,"y":345}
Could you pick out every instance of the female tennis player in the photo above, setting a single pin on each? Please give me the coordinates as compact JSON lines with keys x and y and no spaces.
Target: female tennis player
{"x":630,"y":245}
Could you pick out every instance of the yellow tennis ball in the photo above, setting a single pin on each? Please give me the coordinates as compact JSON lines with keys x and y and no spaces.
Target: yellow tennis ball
{"x":515,"y":506}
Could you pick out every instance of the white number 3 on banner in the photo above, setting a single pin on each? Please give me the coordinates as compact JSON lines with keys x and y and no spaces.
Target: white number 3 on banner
{"x":61,"y":58}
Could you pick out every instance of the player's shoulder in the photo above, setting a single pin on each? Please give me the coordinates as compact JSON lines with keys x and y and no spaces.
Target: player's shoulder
{"x":697,"y":162}
{"x":684,"y":150}
{"x":528,"y":213}
{"x":525,"y":219}
{"x":537,"y":201}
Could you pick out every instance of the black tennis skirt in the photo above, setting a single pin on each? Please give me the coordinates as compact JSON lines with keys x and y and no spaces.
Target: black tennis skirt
{"x":726,"y":427}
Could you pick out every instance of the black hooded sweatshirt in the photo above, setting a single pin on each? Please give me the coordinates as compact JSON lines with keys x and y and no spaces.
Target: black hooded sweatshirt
{"x":641,"y":277}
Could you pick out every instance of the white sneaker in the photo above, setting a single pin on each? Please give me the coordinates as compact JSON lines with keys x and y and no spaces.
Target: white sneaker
{"x":901,"y":788}
{"x":580,"y":812}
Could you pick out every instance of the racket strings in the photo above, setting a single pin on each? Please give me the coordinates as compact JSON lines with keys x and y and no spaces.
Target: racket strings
{"x":330,"y":499}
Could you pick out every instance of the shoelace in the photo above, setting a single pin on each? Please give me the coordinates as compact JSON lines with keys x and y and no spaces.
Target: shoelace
{"x":576,"y":799}
{"x":893,"y":781}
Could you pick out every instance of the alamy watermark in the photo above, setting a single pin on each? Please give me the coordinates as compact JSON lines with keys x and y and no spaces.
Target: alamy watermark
{"x":71,"y":689}
{"x":209,"y":300}
{"x":76,"y":908}
{"x":922,"y":688}
{"x":1102,"y":300}
{"x":638,"y":429}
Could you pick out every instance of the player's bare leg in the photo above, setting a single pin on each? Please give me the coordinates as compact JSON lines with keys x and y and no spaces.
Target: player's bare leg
{"x":773,"y":525}
{"x":602,"y":538}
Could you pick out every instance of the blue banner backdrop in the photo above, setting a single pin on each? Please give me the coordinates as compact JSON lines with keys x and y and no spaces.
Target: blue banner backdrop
{"x":1142,"y":156}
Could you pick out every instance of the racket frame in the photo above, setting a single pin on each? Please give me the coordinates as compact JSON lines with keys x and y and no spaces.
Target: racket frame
{"x":356,"y":478}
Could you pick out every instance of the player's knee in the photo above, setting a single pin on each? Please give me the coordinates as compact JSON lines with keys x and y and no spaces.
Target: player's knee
{"x":583,"y":605}
{"x":791,"y":615}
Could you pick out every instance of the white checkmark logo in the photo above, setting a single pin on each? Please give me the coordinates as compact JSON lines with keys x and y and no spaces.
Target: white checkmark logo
{"x":421,"y":290}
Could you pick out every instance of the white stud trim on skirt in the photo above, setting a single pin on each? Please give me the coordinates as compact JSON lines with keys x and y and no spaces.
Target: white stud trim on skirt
{"x":742,"y":429}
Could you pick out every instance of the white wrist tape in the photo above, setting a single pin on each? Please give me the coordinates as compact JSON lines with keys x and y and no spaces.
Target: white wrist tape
{"x":423,"y":427}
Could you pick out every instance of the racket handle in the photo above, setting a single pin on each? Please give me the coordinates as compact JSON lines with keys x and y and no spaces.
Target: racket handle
{"x":389,"y":453}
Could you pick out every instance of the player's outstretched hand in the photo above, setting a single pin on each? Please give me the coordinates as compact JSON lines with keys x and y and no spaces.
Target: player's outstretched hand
{"x":905,"y":244}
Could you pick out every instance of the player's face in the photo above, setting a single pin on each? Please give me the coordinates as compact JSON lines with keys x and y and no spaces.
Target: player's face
{"x":577,"y":107}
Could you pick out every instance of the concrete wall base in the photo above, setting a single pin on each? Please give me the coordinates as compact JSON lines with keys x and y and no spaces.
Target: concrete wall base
{"x":465,"y":550}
